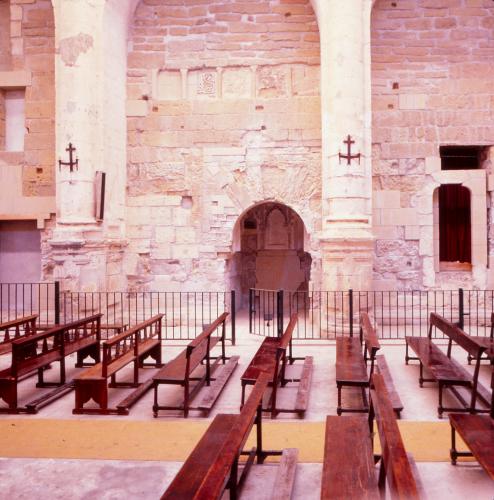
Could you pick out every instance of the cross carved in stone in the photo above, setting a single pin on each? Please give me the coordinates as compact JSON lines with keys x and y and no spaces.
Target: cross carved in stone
{"x":73,"y":164}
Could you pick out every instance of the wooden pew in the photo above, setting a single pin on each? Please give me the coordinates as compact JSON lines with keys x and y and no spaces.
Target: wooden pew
{"x":38,"y":351}
{"x":447,"y":372}
{"x":213,"y":466}
{"x":272,"y":358}
{"x":477,"y":431}
{"x":352,"y":357}
{"x":487,"y":342}
{"x":349,"y":471}
{"x":132,"y":346}
{"x":182,"y":370}
{"x":16,"y":328}
{"x":107,"y":330}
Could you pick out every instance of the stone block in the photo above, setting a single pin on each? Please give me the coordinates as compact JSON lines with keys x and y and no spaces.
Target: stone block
{"x":165,"y":234}
{"x":137,"y":108}
{"x":412,"y":232}
{"x":432,"y":164}
{"x":413,"y":101}
{"x":15,"y":79}
{"x":398,"y":217}
{"x":386,"y":199}
{"x":186,"y":235}
{"x":185,"y":251}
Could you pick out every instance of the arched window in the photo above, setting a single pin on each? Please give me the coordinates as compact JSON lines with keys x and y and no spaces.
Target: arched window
{"x":455,"y":230}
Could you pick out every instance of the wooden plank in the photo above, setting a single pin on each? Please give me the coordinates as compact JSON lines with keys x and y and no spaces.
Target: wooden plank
{"x":350,"y":364}
{"x":285,"y":476}
{"x":477,"y":431}
{"x":203,"y":458}
{"x":416,"y":475}
{"x":348,"y":470}
{"x":212,"y":392}
{"x":134,"y":396}
{"x":264,"y":361}
{"x":302,"y":399}
{"x":36,"y":404}
{"x":383,"y":369}
{"x":399,"y":474}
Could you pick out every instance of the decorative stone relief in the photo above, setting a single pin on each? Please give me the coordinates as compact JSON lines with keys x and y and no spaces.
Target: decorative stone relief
{"x":272,"y":81}
{"x":203,"y":84}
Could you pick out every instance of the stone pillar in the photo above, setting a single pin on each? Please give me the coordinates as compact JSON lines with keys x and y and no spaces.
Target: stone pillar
{"x":78,"y":84}
{"x":347,"y":243}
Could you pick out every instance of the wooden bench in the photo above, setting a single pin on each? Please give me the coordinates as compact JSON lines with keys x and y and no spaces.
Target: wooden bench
{"x":16,"y":328}
{"x":352,"y":357}
{"x":477,"y":431}
{"x":487,"y":342}
{"x":447,"y":372}
{"x":183,"y":370}
{"x":272,"y":358}
{"x":38,"y":351}
{"x":107,"y":330}
{"x":132,"y":346}
{"x":349,"y":471}
{"x":213,"y":466}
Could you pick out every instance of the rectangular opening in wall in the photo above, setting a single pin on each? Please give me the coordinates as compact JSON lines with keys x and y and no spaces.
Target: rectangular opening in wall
{"x":461,"y":157}
{"x":455,"y":232}
{"x":14,"y":120}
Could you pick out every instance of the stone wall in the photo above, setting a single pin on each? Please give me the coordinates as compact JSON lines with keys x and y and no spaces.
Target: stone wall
{"x":432,"y":85}
{"x":223,"y":112}
{"x":4,"y":35}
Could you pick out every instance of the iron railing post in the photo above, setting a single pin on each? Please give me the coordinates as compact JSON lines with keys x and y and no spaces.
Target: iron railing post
{"x":57,"y":302}
{"x":233,"y":318}
{"x":350,"y":309}
{"x":461,"y":311}
{"x":279,"y":306}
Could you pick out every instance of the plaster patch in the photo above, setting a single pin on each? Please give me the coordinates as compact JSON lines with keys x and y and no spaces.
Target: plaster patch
{"x":71,"y":48}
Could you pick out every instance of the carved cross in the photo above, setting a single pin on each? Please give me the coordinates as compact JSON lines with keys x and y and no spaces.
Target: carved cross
{"x":71,"y":163}
{"x":349,"y":157}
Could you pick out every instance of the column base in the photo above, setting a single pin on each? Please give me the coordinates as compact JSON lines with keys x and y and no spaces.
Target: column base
{"x":347,"y":259}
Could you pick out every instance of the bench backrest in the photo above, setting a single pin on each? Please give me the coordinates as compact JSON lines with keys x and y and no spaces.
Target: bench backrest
{"x":22,"y":327}
{"x":129,"y":340}
{"x":397,"y":467}
{"x":218,"y":474}
{"x":40,"y":349}
{"x":455,"y":334}
{"x":199,"y":348}
{"x":368,"y":335}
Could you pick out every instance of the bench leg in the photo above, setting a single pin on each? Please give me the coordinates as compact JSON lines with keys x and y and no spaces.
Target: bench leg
{"x":421,"y":376}
{"x":440,"y":407}
{"x":242,"y":401}
{"x":155,"y":405}
{"x":339,"y":409}
{"x":8,"y":392}
{"x":232,"y":482}
{"x":406,"y":353}
{"x":453,"y":452}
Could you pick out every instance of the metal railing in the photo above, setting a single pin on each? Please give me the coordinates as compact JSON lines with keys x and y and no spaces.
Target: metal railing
{"x":186,"y":313}
{"x":24,"y":299}
{"x":328,"y":314}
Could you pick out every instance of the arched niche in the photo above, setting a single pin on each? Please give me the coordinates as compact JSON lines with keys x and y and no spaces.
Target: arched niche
{"x":269,"y":251}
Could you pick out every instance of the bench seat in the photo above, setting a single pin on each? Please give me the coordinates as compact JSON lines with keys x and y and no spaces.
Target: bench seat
{"x":264,"y":360}
{"x":205,"y":453}
{"x":347,"y":474}
{"x":478,"y":432}
{"x":383,"y":369}
{"x":174,"y":370}
{"x":350,"y":364}
{"x":96,"y":371}
{"x":437,"y":363}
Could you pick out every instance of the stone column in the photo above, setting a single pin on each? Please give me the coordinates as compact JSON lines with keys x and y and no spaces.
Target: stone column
{"x":78,"y":84}
{"x":347,"y":243}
